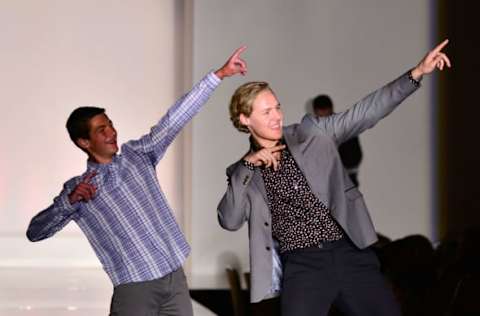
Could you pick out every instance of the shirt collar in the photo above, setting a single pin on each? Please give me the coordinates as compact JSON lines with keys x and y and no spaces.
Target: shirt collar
{"x":91,"y":165}
{"x":255,"y":146}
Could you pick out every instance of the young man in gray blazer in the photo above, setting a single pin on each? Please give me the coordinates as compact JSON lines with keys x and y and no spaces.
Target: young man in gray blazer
{"x":300,"y":204}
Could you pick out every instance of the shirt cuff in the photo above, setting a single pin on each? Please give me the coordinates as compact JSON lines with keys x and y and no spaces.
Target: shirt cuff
{"x":416,"y":83}
{"x":65,"y":205}
{"x":212,"y":80}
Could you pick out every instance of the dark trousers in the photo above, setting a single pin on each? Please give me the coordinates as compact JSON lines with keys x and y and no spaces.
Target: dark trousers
{"x":335,"y":273}
{"x":165,"y":296}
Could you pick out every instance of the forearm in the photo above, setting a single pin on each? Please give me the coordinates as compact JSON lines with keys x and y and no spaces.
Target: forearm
{"x":164,"y":132}
{"x":366,"y":113}
{"x":383,"y":101}
{"x":46,"y":223}
{"x":370,"y":110}
{"x":185,"y":109}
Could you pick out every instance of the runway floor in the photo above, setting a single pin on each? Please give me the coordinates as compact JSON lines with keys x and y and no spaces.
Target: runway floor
{"x":59,"y":291}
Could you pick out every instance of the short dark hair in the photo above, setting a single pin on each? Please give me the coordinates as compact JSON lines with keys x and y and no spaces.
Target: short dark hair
{"x":78,"y":123}
{"x":321,"y":102}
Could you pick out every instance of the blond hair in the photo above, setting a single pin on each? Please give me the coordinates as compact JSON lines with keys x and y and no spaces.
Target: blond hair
{"x":242,"y":102}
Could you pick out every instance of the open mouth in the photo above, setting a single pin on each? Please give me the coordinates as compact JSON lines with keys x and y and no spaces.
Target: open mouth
{"x":112,"y":142}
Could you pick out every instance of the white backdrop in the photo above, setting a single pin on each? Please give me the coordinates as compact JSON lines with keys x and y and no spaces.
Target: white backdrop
{"x":55,"y":56}
{"x":126,"y":56}
{"x":304,"y":48}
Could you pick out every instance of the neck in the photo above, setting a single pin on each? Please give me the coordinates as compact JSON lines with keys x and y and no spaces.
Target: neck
{"x":268,"y":143}
{"x":257,"y":144}
{"x":99,"y":159}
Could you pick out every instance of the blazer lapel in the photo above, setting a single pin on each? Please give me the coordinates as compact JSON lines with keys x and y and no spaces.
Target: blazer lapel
{"x":298,"y":143}
{"x":296,"y":146}
{"x":258,"y":181}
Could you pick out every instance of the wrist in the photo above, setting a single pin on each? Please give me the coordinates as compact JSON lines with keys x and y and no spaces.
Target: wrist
{"x":220,"y":74}
{"x":414,"y":79}
{"x":65,"y":203}
{"x":416,"y":74}
{"x":71,"y":199}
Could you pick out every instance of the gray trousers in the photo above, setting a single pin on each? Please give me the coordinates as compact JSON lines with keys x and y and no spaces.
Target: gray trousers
{"x":167,"y":296}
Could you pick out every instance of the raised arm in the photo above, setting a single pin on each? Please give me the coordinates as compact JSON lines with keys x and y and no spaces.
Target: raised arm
{"x":164,"y":132}
{"x":375,"y":106}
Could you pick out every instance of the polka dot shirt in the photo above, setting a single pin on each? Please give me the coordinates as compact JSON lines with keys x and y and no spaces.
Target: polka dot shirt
{"x":299,"y":219}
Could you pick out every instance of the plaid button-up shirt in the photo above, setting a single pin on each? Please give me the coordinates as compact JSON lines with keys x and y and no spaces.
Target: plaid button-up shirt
{"x":128,"y":222}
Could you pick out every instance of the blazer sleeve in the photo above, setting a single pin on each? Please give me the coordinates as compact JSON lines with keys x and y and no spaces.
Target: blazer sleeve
{"x":234,"y":207}
{"x":364,"y":114}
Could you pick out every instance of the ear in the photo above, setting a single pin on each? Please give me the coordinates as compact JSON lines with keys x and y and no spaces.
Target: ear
{"x":245,"y":120}
{"x":83,"y":143}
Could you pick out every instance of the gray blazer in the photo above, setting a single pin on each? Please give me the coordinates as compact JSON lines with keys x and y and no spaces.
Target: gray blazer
{"x":313,"y":144}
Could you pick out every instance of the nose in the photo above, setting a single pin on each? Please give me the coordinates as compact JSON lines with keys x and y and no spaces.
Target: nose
{"x":111,"y":132}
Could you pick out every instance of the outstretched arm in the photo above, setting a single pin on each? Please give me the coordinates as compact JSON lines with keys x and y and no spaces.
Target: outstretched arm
{"x":375,"y":106}
{"x":155,"y":143}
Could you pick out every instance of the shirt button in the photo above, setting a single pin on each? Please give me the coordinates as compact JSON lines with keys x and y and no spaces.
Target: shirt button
{"x":268,"y":248}
{"x":266,"y":224}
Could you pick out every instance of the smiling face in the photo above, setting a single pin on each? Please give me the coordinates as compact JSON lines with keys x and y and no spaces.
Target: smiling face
{"x":265,"y":122}
{"x":102,"y":142}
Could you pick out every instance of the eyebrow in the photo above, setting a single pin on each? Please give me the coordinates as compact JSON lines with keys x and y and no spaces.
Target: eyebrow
{"x":271,"y":107}
{"x":104,"y":125}
{"x":100,"y":126}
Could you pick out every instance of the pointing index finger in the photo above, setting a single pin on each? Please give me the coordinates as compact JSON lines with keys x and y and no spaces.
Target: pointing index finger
{"x":440,"y":46}
{"x":239,"y":51}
